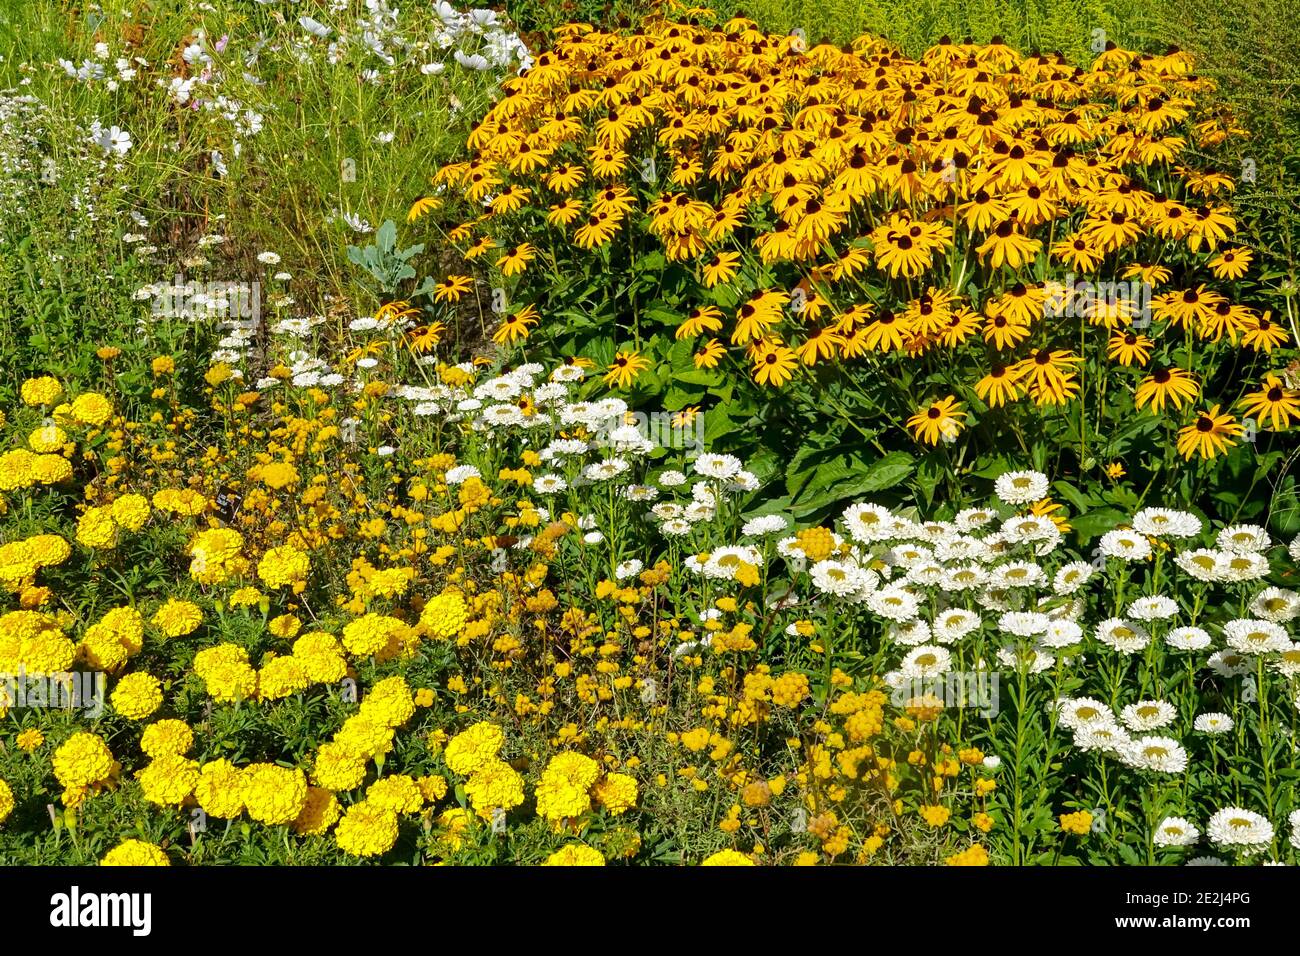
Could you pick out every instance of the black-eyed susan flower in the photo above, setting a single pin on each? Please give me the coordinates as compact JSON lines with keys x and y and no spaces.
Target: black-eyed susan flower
{"x":1211,"y":433}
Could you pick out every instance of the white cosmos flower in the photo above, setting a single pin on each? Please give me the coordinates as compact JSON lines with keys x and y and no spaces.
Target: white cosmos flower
{"x":549,"y":484}
{"x":972,"y":519}
{"x":1070,"y":577}
{"x":724,"y":563}
{"x":1157,"y":607}
{"x":605,"y":470}
{"x":867,"y":523}
{"x":1276,"y":604}
{"x":720,"y":467}
{"x":1188,"y":639}
{"x":1148,"y":715}
{"x":1159,"y":754}
{"x":1242,"y":538}
{"x":1102,"y":737}
{"x":1023,"y":623}
{"x":763,"y":525}
{"x":1033,"y":660}
{"x":462,"y":473}
{"x":626,"y":569}
{"x":1061,"y":633}
{"x":1125,"y":545}
{"x":1240,"y":566}
{"x":1175,"y":831}
{"x":1213,"y":723}
{"x":1080,"y":713}
{"x":1236,"y":827}
{"x":1201,"y":563}
{"x":1018,"y":574}
{"x":894,"y":603}
{"x":1166,"y":523}
{"x":964,"y":578}
{"x":840,"y":578}
{"x":1251,"y":636}
{"x":1021,"y":487}
{"x":910,"y":633}
{"x":927,"y":660}
{"x":1229,"y":663}
{"x":1127,"y":637}
{"x":952,"y":625}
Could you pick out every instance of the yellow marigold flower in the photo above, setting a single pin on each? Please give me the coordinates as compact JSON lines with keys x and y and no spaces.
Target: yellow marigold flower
{"x":371,"y":634}
{"x":338,"y":768}
{"x":617,"y":793}
{"x":272,"y":794}
{"x":284,"y":626}
{"x":728,"y":858}
{"x":82,"y":761}
{"x":285,"y":566}
{"x":576,"y":854}
{"x":163,"y":365}
{"x":562,"y":792}
{"x":137,"y":696}
{"x":397,"y":792}
{"x":135,"y":853}
{"x":282,"y":677}
{"x":366,"y":830}
{"x":47,"y":439}
{"x":389,"y":702}
{"x":494,"y":786}
{"x":29,"y":740}
{"x":169,"y":779}
{"x":92,"y":409}
{"x":131,"y":511}
{"x":444,"y":616}
{"x":45,"y":390}
{"x":95,"y":528}
{"x":220,"y":789}
{"x":319,"y":813}
{"x":167,"y":737}
{"x":474,"y":747}
{"x":178,"y":618}
{"x":6,"y":801}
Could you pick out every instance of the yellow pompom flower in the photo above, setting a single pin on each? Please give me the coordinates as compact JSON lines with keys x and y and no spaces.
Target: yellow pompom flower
{"x":366,"y":830}
{"x":474,"y":747}
{"x":319,"y":813}
{"x":728,"y":858}
{"x":92,"y":409}
{"x":169,"y":736}
{"x":169,"y":779}
{"x":444,"y":616}
{"x":45,"y":390}
{"x":83,"y":761}
{"x":562,"y":792}
{"x":131,"y":512}
{"x":135,"y":853}
{"x":178,"y":618}
{"x":220,"y":789}
{"x":576,"y":854}
{"x":137,"y":696}
{"x":272,"y":794}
